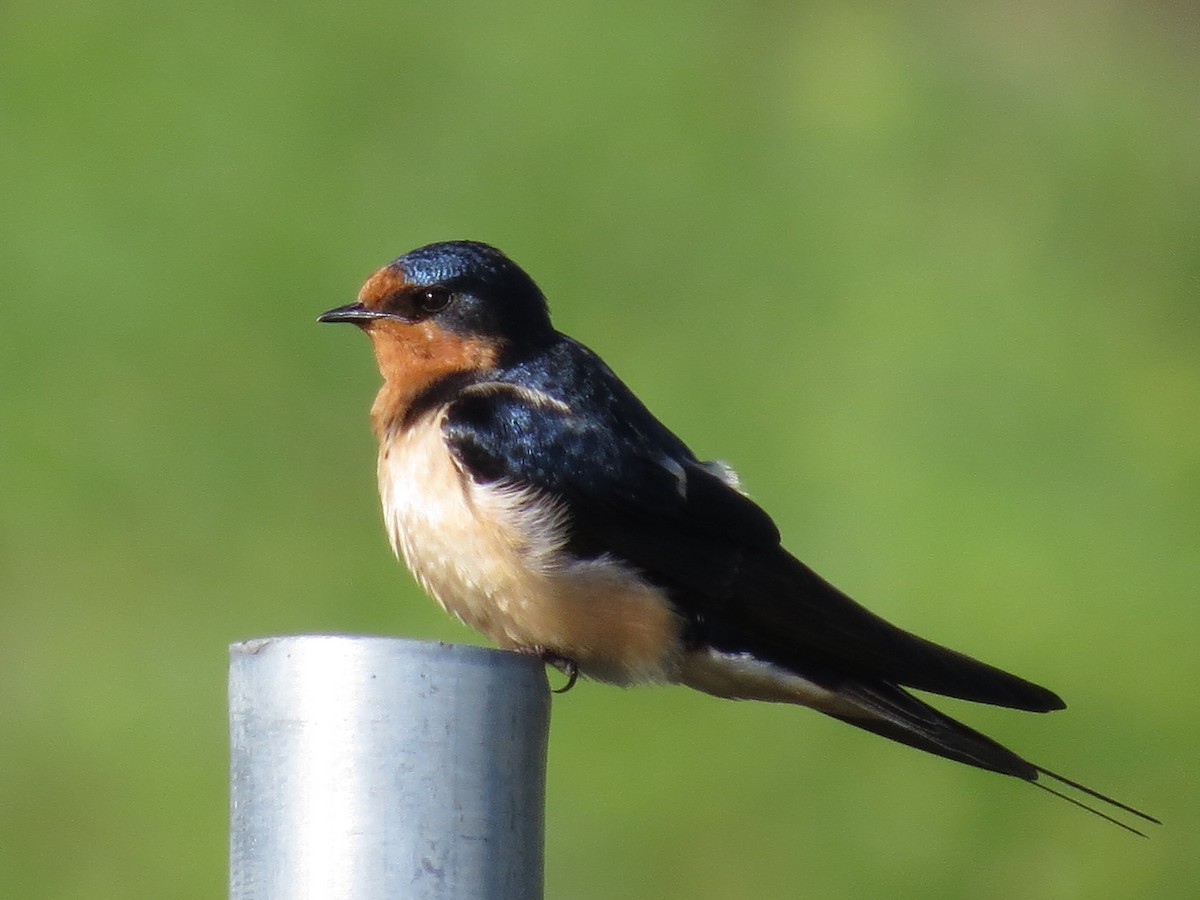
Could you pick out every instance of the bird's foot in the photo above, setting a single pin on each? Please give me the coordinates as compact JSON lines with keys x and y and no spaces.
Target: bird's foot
{"x":567,"y":666}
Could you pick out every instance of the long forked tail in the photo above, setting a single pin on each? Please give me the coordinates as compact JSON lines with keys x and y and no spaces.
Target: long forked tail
{"x":893,"y":713}
{"x":1096,"y":795}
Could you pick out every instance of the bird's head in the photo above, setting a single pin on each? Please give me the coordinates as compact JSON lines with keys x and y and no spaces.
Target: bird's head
{"x":448,"y":307}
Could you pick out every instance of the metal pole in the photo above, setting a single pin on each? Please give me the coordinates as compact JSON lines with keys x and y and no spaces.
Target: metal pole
{"x":372,"y":768}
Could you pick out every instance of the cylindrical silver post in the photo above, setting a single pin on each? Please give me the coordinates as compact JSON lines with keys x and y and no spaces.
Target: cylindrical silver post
{"x":373,"y":768}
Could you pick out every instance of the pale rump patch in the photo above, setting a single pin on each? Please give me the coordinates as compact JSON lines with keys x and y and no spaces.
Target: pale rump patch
{"x":493,"y":556}
{"x":741,"y":676}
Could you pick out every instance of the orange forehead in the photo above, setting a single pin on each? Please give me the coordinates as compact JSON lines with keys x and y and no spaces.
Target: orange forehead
{"x":385,"y":283}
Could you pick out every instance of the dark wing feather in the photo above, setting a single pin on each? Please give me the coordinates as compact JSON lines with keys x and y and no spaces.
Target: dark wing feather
{"x":804,"y":620}
{"x":634,"y":490}
{"x":900,"y":716}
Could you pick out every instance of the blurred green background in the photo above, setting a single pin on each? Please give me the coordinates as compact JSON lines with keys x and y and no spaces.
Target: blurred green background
{"x":927,"y":274}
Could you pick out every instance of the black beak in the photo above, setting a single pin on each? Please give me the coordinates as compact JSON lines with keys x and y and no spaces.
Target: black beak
{"x":351,"y":312}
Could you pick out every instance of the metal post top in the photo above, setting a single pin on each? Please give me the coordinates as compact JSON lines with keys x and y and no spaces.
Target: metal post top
{"x":376,"y":767}
{"x":381,"y":647}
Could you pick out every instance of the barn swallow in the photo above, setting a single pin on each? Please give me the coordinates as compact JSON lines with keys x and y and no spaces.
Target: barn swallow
{"x":538,"y":500}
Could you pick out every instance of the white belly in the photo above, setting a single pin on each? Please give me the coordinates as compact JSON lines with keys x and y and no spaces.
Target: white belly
{"x":493,"y":556}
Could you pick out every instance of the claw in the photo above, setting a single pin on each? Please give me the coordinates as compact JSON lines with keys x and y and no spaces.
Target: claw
{"x":568,"y":666}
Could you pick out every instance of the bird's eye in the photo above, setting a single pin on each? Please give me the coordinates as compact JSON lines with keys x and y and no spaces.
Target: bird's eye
{"x":433,"y":299}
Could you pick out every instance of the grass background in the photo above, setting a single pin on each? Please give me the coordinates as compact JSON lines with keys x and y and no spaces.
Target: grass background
{"x":926,"y":273}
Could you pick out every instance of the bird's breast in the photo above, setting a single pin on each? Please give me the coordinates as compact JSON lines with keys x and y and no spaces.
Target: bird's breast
{"x":493,"y":554}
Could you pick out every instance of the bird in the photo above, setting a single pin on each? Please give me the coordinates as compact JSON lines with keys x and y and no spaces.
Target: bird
{"x":538,"y":500}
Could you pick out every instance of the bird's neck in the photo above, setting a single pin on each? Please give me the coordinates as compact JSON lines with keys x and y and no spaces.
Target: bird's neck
{"x":390,"y":408}
{"x":414,"y":364}
{"x":397,"y":406}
